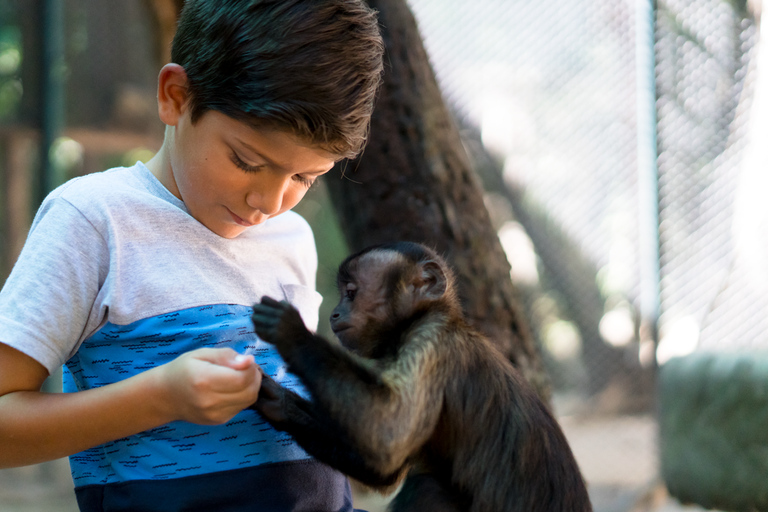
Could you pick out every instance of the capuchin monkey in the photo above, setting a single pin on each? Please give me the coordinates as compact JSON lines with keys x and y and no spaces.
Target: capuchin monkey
{"x":413,"y":391}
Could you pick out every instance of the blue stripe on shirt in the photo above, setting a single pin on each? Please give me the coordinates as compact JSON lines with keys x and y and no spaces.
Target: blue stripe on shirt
{"x":178,"y":449}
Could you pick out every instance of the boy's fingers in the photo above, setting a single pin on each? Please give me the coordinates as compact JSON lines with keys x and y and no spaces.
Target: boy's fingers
{"x":242,"y":362}
{"x":240,"y":390}
{"x":225,"y":357}
{"x":223,"y":379}
{"x":224,"y":370}
{"x":218,"y":356}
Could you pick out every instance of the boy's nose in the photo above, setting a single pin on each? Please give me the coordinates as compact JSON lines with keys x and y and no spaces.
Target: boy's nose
{"x":267,"y":196}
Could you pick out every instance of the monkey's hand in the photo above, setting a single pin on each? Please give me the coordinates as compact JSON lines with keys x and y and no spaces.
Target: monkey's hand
{"x":280,"y":324}
{"x":271,"y":402}
{"x":284,"y":409}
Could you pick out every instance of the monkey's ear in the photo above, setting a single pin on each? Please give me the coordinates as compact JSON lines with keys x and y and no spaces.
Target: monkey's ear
{"x":431,"y":283}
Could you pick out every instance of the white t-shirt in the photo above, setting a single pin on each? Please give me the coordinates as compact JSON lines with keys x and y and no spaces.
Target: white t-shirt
{"x":116,"y":277}
{"x":118,"y":247}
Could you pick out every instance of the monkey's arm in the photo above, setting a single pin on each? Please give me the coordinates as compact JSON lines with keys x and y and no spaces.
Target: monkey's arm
{"x":387,"y":412}
{"x":315,"y":432}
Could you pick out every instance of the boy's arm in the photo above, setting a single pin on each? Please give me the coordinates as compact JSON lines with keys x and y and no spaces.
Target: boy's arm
{"x":207,"y":386}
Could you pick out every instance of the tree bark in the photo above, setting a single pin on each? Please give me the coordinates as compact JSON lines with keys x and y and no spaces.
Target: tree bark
{"x":166,"y":12}
{"x":415,"y":182}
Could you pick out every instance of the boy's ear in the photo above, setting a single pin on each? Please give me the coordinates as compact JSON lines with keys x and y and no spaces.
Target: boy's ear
{"x":171,"y":93}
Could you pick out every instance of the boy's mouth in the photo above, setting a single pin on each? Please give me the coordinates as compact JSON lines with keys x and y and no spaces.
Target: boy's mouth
{"x":239,"y":220}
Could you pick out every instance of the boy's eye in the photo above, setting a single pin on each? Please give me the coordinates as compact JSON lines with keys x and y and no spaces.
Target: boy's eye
{"x":244,"y":166}
{"x":307,"y":182}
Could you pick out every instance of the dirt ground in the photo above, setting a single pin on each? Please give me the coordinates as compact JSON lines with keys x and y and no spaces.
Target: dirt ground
{"x":618,"y":457}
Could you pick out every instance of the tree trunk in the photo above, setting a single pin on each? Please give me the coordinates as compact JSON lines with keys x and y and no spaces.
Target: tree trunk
{"x":415,"y":182}
{"x":166,"y":12}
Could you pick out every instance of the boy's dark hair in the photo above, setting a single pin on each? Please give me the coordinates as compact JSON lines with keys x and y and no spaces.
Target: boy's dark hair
{"x":311,"y":67}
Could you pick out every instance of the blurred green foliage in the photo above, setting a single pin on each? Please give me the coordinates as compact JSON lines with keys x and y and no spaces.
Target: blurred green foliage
{"x":332,"y":247}
{"x":11,"y":56}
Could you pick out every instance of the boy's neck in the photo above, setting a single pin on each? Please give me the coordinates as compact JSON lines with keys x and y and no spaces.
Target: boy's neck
{"x":160,"y":165}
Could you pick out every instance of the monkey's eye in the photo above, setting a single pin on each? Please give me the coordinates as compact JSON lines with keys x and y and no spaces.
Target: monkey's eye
{"x":350,"y":291}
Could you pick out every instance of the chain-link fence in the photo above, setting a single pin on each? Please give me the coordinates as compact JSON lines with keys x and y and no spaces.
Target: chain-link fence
{"x":706,"y":53}
{"x":562,"y":93}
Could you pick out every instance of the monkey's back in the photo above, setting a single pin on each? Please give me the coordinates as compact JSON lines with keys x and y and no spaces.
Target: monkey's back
{"x":508,"y":452}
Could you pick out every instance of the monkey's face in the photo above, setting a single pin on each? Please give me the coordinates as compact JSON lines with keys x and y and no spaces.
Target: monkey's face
{"x":365,"y":307}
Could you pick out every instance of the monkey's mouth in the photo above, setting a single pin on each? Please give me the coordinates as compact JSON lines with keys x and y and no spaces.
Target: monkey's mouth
{"x":341,"y":331}
{"x":338,"y":327}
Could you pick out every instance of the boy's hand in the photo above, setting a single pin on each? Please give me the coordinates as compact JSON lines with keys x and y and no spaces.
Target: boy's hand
{"x":209,"y":386}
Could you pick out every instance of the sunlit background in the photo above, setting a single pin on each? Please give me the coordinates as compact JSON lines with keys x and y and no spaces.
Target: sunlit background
{"x":630,"y":141}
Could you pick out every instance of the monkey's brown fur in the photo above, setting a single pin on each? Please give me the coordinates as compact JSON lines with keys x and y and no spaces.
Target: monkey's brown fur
{"x":416,"y":391}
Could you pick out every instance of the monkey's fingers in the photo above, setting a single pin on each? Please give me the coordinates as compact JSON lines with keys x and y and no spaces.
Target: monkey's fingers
{"x":277,"y":305}
{"x":264,"y":314}
{"x":271,"y":409}
{"x":270,"y":302}
{"x":266,"y":332}
{"x":267,"y":306}
{"x":270,"y":390}
{"x":267,"y":309}
{"x":265,"y":325}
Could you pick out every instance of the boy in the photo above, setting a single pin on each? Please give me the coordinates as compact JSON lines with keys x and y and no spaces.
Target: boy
{"x":140,"y":279}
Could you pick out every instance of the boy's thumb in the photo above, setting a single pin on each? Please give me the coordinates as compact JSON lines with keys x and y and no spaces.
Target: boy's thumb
{"x":226,"y":357}
{"x":242,"y":361}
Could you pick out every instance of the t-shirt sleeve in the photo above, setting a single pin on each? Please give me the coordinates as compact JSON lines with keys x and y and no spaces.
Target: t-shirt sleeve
{"x":46,"y":302}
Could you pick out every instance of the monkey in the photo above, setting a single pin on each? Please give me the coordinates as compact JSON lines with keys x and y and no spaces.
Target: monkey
{"x":410,"y":393}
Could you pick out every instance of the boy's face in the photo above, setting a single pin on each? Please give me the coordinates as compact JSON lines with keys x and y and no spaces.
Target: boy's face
{"x":232,"y":176}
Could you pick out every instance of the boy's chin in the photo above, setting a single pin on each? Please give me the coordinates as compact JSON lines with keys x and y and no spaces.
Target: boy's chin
{"x":227,"y":231}
{"x":230,"y":229}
